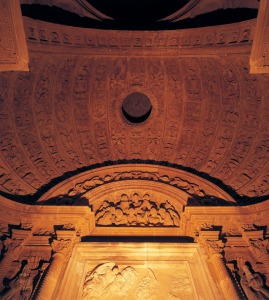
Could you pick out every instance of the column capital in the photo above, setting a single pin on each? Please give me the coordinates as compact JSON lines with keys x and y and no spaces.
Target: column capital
{"x":211,"y":243}
{"x":62,"y":246}
{"x":12,"y":245}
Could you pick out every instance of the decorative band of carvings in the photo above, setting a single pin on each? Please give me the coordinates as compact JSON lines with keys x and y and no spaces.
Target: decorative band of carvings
{"x":138,"y":210}
{"x":199,"y":190}
{"x":60,"y":35}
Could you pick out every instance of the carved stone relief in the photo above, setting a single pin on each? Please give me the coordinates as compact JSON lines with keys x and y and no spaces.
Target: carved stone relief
{"x":208,"y":113}
{"x":13,"y":48}
{"x":107,"y":279}
{"x":110,"y":280}
{"x":137,"y":210}
{"x":60,"y":121}
{"x":109,"y":41}
{"x":253,"y":283}
{"x":135,"y":271}
{"x":259,"y":59}
{"x":181,"y":287}
{"x":196,"y":192}
{"x":24,"y":282}
{"x":235,"y":235}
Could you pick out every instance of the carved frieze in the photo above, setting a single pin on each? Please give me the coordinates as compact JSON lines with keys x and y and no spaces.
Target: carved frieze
{"x":102,"y":41}
{"x":197,"y":193}
{"x":137,"y":210}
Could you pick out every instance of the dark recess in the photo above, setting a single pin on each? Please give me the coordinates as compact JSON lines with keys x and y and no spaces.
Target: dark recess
{"x":136,"y":22}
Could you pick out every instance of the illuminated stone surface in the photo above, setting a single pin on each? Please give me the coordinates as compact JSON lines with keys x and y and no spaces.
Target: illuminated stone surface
{"x":13,"y":48}
{"x":169,"y":195}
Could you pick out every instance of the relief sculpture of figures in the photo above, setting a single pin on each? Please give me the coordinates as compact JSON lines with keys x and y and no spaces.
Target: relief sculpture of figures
{"x":107,"y":280}
{"x":148,"y":287}
{"x":138,"y":211}
{"x":253,"y":284}
{"x":181,"y":287}
{"x":21,"y":286}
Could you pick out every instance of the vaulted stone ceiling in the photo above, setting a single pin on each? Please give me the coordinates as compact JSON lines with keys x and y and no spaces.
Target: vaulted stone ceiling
{"x":208,"y":113}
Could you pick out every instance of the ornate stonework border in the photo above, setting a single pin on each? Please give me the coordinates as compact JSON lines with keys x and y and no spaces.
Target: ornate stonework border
{"x":234,"y":240}
{"x":13,"y":48}
{"x":202,"y":41}
{"x":195,"y":188}
{"x":259,"y":59}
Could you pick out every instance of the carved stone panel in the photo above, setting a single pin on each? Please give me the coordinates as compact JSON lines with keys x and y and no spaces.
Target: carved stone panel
{"x":136,"y":209}
{"x":137,"y":272}
{"x":13,"y":49}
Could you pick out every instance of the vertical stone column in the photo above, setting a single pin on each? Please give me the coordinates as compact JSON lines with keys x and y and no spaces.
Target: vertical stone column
{"x":214,"y":249}
{"x":61,"y":253}
{"x":223,"y":276}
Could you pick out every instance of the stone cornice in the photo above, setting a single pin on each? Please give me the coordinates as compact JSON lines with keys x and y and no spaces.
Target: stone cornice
{"x":232,"y":38}
{"x":232,"y":221}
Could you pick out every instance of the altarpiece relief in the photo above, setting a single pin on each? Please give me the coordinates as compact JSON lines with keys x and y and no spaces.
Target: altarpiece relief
{"x":136,"y":272}
{"x":108,"y":281}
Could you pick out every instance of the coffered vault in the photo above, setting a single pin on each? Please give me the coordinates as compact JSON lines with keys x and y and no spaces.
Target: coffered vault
{"x":154,"y":141}
{"x":208,"y":112}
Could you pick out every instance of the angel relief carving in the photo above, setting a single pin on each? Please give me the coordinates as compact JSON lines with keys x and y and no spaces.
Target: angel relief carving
{"x":137,"y":211}
{"x":107,"y":280}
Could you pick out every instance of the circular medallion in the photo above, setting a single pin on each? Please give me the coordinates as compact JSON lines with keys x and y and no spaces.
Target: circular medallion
{"x":136,"y":107}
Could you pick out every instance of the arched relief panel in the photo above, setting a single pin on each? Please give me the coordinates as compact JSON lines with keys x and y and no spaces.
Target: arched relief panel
{"x":142,"y":199}
{"x":135,"y":207}
{"x":198,"y":188}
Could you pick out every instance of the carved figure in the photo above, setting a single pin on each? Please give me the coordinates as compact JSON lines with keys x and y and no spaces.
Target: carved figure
{"x":253,"y":284}
{"x":106,"y":279}
{"x":148,"y":287}
{"x":21,"y":286}
{"x":138,"y":211}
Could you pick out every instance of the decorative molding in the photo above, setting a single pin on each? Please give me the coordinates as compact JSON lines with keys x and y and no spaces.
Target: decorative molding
{"x":13,"y":48}
{"x":259,"y":59}
{"x":197,"y":190}
{"x":70,"y":225}
{"x":180,"y":42}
